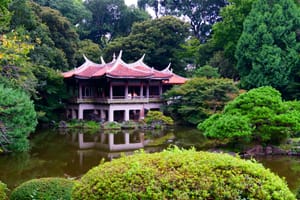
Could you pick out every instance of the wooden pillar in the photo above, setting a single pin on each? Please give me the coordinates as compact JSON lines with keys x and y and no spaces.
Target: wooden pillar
{"x":110,"y":90}
{"x":80,"y":112}
{"x":111,"y":115}
{"x":147,"y":93}
{"x":111,"y":141}
{"x":141,"y":90}
{"x":126,"y":138}
{"x":80,"y":91}
{"x":126,"y":118}
{"x":160,"y":89}
{"x":126,"y":90}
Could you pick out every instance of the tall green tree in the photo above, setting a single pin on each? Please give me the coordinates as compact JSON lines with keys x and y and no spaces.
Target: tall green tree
{"x":226,"y":34}
{"x":110,"y":19}
{"x":74,"y":10}
{"x":17,"y":119}
{"x":268,"y":51}
{"x":199,"y":98}
{"x":259,"y":116}
{"x":201,"y":13}
{"x":159,"y":39}
{"x":48,"y":49}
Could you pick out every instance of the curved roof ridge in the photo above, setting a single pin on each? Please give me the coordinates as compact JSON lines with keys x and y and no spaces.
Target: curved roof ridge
{"x":116,"y":61}
{"x":123,"y":63}
{"x":84,"y":66}
{"x":168,"y":69}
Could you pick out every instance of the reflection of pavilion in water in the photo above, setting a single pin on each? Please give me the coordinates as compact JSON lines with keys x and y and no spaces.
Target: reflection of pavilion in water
{"x":110,"y":146}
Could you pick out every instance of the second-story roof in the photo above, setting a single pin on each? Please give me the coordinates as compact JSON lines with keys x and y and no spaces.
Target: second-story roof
{"x":117,"y":68}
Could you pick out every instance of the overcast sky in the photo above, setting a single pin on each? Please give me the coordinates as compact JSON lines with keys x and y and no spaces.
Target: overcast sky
{"x":130,"y":2}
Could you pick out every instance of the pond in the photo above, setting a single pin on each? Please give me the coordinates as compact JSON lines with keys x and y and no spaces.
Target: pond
{"x":57,"y":153}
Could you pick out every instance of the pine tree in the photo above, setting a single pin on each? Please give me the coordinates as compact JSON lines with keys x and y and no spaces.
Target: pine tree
{"x":268,"y":51}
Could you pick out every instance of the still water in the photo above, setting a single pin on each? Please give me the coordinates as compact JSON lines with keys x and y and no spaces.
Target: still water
{"x":57,"y":153}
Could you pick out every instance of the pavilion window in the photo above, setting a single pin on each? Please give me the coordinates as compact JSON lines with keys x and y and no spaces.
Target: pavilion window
{"x":118,"y":92}
{"x":153,"y":91}
{"x":88,"y":91}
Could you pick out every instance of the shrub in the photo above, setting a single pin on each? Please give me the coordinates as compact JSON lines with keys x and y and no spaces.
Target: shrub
{"x":181,"y":174}
{"x":260,"y":115}
{"x":157,"y":116}
{"x":199,"y":98}
{"x":91,"y":125}
{"x":129,"y":124}
{"x":3,"y":191}
{"x":44,"y":189}
{"x":111,"y":125}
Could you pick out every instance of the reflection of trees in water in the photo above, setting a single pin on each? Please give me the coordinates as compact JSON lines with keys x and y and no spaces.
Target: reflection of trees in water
{"x":284,"y":166}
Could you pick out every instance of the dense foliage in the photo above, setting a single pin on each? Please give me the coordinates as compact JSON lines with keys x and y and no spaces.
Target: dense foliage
{"x":199,"y":98}
{"x":18,"y":117}
{"x":201,"y":14}
{"x":181,"y":174}
{"x":226,"y":34}
{"x":207,"y":71}
{"x":157,"y":116}
{"x":44,"y":188}
{"x":259,"y":115}
{"x":110,"y":19}
{"x":267,"y":52}
{"x":159,"y":39}
{"x":3,"y":191}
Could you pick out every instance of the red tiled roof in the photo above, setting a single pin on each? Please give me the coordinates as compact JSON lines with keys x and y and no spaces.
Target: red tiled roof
{"x":175,"y":80}
{"x":119,"y":69}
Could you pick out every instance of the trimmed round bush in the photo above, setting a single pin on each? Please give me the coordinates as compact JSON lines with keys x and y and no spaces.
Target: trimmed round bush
{"x":44,"y":189}
{"x":3,"y":191}
{"x":181,"y":174}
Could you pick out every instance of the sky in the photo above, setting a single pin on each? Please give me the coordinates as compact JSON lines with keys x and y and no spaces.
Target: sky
{"x":130,"y":2}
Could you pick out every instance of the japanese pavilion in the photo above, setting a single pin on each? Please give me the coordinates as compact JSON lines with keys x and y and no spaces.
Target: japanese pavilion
{"x":116,"y":91}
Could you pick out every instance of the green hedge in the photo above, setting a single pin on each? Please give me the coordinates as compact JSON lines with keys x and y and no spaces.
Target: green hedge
{"x":44,"y":189}
{"x":181,"y":174}
{"x":3,"y":191}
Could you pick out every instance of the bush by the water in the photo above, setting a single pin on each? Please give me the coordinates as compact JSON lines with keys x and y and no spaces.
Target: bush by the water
{"x":3,"y":191}
{"x":157,"y":116}
{"x":181,"y":174}
{"x":44,"y":189}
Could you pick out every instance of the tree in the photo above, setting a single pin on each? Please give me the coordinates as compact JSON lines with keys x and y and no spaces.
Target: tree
{"x":226,"y":34}
{"x":74,"y":10}
{"x":207,"y":71}
{"x":267,"y":51}
{"x":199,"y":98}
{"x":14,"y":65}
{"x":202,"y":13}
{"x":89,"y":49}
{"x":18,"y":117}
{"x":62,"y":32}
{"x":4,"y":15}
{"x":51,"y":94}
{"x":55,"y":46}
{"x":259,"y":115}
{"x":110,"y":19}
{"x":159,"y":39}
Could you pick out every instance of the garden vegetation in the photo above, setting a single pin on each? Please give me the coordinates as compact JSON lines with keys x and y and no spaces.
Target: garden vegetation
{"x":43,"y":189}
{"x":260,"y":116}
{"x":180,"y":174}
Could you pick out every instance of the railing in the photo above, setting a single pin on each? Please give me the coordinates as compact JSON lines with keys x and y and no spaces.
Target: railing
{"x":118,"y":99}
